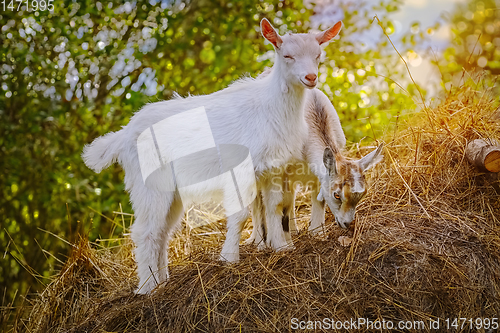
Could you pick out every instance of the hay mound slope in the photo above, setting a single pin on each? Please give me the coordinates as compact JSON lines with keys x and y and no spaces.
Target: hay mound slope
{"x":426,"y":246}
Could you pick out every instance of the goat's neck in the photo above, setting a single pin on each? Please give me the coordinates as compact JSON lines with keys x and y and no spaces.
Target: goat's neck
{"x":280,"y":89}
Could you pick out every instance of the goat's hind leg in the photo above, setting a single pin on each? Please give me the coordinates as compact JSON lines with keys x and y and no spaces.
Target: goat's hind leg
{"x":258,"y":236}
{"x":174,"y":216}
{"x":149,"y":233}
{"x":288,"y":219}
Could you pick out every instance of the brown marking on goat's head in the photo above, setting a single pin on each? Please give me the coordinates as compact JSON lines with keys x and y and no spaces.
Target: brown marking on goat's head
{"x":346,"y":184}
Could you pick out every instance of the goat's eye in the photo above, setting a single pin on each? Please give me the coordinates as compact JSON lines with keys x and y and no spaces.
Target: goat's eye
{"x":319,"y":55}
{"x":336,"y":195}
{"x":289,"y":57}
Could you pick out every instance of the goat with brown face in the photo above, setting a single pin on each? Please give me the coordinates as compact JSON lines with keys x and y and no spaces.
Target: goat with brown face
{"x":345,"y":185}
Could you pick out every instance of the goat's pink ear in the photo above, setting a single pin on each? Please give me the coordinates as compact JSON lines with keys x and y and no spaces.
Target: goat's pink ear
{"x":270,"y":34}
{"x":327,"y":35}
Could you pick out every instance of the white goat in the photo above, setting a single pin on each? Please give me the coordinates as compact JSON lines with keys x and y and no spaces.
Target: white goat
{"x":340,"y":181}
{"x":266,"y":116}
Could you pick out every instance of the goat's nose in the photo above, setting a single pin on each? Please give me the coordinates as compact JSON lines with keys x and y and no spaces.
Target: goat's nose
{"x":343,"y":225}
{"x":311,"y":77}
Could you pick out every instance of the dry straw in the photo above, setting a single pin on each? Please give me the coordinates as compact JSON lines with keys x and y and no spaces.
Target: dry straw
{"x":426,"y":246}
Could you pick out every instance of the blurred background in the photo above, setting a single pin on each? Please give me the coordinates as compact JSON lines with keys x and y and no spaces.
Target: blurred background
{"x":81,"y":70}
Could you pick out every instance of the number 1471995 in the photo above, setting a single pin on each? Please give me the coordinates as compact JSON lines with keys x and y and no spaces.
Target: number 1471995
{"x":26,"y":5}
{"x":473,"y":324}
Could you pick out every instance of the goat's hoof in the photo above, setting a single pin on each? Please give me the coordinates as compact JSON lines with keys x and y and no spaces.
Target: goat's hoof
{"x":283,"y":247}
{"x":249,"y":241}
{"x":262,"y":246}
{"x":288,"y":247}
{"x":229,"y":257}
{"x":145,"y":288}
{"x":319,"y":231}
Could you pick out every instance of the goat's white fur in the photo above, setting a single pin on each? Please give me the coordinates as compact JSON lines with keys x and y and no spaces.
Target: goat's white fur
{"x":265,"y":115}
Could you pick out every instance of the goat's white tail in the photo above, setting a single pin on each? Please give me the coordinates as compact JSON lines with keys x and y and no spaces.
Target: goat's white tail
{"x":103,"y":151}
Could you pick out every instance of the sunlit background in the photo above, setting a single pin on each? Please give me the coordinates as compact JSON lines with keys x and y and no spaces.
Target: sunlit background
{"x":429,"y":17}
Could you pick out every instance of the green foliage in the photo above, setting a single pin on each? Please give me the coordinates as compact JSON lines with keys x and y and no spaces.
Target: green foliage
{"x":81,"y":71}
{"x":361,"y":80}
{"x":475,"y":26}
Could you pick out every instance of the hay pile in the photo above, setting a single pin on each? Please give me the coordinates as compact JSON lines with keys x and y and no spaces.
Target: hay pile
{"x":426,"y":246}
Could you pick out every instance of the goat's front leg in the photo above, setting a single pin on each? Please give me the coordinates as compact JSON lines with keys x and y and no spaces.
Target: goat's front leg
{"x":272,"y":195}
{"x":317,"y":213}
{"x":231,"y":249}
{"x":259,"y":232}
{"x":288,"y":220}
